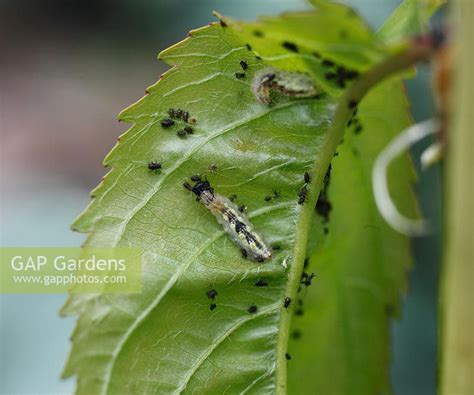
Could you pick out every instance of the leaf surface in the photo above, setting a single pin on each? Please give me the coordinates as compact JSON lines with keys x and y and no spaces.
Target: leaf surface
{"x":340,"y":337}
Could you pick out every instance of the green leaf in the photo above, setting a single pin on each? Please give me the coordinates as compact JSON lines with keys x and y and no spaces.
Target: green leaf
{"x":410,"y":18}
{"x":360,"y":264}
{"x":167,"y":340}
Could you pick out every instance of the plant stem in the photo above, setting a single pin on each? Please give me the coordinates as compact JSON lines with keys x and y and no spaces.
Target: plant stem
{"x":414,"y":52}
{"x":457,"y":318}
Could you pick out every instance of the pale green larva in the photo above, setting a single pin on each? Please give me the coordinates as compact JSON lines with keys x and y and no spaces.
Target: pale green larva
{"x":235,"y":223}
{"x":286,"y":83}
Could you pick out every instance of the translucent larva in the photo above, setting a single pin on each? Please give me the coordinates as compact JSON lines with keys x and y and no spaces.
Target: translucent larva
{"x":293,"y":84}
{"x":235,"y":224}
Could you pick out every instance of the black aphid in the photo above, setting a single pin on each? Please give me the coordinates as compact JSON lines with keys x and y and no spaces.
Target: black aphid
{"x":252,"y":309}
{"x":166,"y":123}
{"x":276,"y":194}
{"x":290,"y":46}
{"x":261,"y":283}
{"x":307,"y":280}
{"x":341,"y":82}
{"x":258,"y":33}
{"x":287,"y":302}
{"x":244,"y":253}
{"x":259,"y":259}
{"x":306,"y":263}
{"x":327,"y":63}
{"x":244,"y":65}
{"x":241,"y":208}
{"x":276,"y":247}
{"x":302,"y":195}
{"x":223,"y":24}
{"x":307,"y":177}
{"x":358,"y":129}
{"x":181,"y":134}
{"x":154,"y":166}
{"x":268,"y":198}
{"x":287,"y":356}
{"x":189,"y":130}
{"x":199,"y":188}
{"x":233,"y":197}
{"x":352,"y":104}
{"x":299,"y":312}
{"x":212,"y":306}
{"x":211,"y":294}
{"x":296,"y":334}
{"x":248,"y":47}
{"x":239,"y":75}
{"x":196,"y":178}
{"x":212,"y":167}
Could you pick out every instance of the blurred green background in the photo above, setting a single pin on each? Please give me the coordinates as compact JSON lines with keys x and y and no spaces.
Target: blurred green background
{"x":67,"y":68}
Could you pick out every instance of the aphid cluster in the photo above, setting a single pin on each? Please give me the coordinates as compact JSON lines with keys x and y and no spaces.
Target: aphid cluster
{"x":286,"y":302}
{"x":235,"y":224}
{"x":323,"y":206}
{"x":339,"y":74}
{"x":285,"y":83}
{"x":179,"y":115}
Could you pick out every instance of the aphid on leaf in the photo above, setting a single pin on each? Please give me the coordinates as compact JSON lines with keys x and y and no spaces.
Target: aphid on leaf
{"x":244,"y":65}
{"x":252,"y":309}
{"x":188,"y":129}
{"x":240,"y":76}
{"x":166,"y":123}
{"x":211,"y":294}
{"x":296,"y":334}
{"x":287,"y":302}
{"x":154,"y":166}
{"x":307,"y":177}
{"x":261,"y":283}
{"x":286,"y":83}
{"x":181,"y":134}
{"x":235,"y":224}
{"x":241,"y":208}
{"x":290,"y":46}
{"x":307,"y":279}
{"x":327,"y":63}
{"x":287,"y":356}
{"x":302,"y":194}
{"x":196,"y":178}
{"x":212,"y":306}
